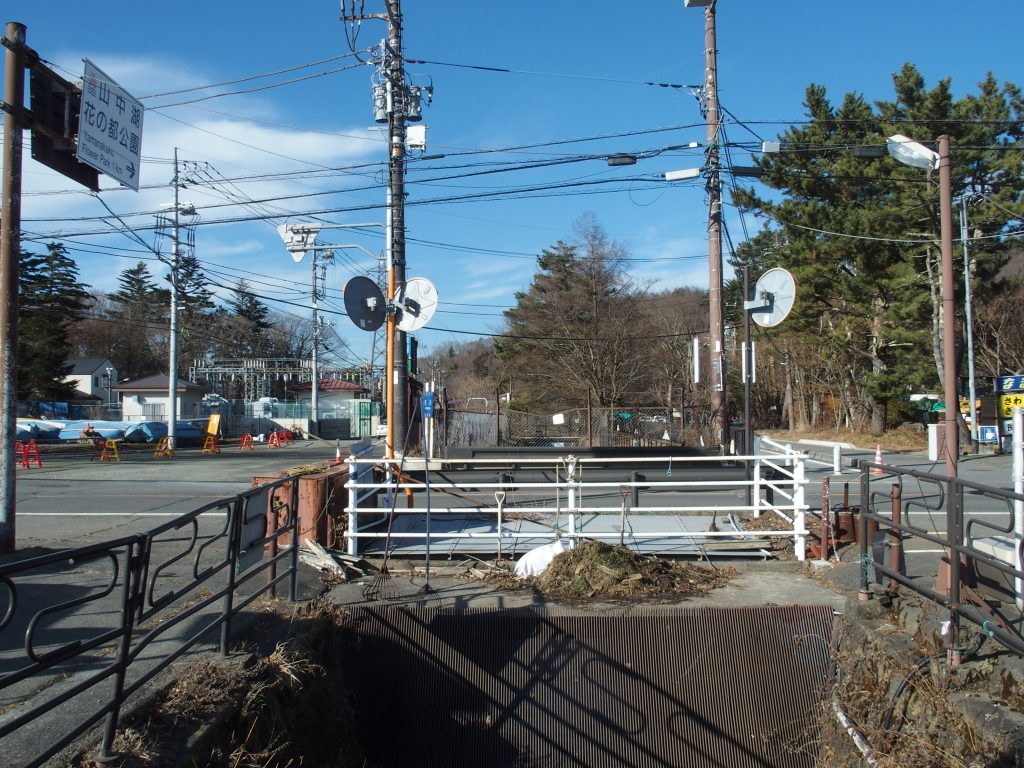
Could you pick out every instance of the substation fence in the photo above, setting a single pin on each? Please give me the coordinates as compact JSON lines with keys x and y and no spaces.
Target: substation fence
{"x":562,"y":494}
{"x":100,"y":622}
{"x":979,"y":578}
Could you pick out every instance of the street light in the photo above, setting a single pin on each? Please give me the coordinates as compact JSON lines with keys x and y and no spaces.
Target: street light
{"x":919,"y":156}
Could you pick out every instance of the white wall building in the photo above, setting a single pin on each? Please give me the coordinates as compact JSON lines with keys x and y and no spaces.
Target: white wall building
{"x":95,"y":376}
{"x":146,"y":399}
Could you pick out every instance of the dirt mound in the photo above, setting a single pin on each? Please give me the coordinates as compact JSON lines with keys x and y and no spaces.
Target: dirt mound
{"x":595,"y":569}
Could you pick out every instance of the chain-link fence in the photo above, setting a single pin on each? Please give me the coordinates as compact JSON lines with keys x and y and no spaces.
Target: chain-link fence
{"x":466,"y":429}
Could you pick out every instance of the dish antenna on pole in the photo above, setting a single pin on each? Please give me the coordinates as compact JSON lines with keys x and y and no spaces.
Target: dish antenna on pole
{"x":414,"y":305}
{"x":774,"y":295}
{"x":365,"y":304}
{"x":416,"y":302}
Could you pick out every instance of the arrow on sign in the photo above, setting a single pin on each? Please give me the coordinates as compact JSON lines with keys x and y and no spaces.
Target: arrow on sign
{"x":131,"y":170}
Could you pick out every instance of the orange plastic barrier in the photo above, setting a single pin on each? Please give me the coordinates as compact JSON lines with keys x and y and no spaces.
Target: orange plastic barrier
{"x":25,"y":452}
{"x":163,"y":448}
{"x":274,"y":441}
{"x":211,"y":445}
{"x":246,"y":443}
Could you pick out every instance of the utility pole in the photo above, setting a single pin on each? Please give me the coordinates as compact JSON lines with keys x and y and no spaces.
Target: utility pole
{"x":719,"y":399}
{"x":393,"y":108}
{"x":969,"y":324}
{"x":172,"y":373}
{"x":10,"y":254}
{"x":395,"y":72}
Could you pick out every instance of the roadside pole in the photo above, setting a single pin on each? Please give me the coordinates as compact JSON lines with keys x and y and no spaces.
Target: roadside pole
{"x":10,"y":252}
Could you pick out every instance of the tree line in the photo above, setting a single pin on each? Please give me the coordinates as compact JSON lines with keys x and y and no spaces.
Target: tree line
{"x":859,"y":234}
{"x":59,"y":317}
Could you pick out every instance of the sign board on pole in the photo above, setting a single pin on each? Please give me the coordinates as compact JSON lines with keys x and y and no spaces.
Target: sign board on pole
{"x":1009,"y":402}
{"x":1009,"y":383}
{"x":428,"y":405}
{"x":110,"y":128}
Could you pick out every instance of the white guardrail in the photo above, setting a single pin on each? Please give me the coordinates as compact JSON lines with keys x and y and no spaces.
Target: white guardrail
{"x":777,"y":484}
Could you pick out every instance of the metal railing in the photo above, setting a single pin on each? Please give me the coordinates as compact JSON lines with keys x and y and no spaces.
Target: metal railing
{"x":890,"y":496}
{"x":118,"y":613}
{"x":566,"y":496}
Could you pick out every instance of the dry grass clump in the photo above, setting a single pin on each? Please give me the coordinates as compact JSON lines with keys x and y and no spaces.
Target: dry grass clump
{"x":781,"y":547}
{"x":596,"y":569}
{"x":296,"y":711}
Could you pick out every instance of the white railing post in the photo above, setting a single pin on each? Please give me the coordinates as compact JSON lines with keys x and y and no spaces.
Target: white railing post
{"x":756,"y":478}
{"x":837,"y":460}
{"x":799,"y":537}
{"x":351,"y":508}
{"x":570,"y":476}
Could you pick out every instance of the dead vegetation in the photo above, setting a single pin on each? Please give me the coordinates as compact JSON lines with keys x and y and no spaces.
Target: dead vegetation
{"x":288,"y":708}
{"x":781,"y":547}
{"x":903,"y":439}
{"x":595,"y":569}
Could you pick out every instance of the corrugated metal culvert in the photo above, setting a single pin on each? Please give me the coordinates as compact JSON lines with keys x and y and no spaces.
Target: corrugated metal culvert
{"x":528,"y":687}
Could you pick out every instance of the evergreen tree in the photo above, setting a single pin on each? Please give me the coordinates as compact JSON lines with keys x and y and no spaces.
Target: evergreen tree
{"x":140,"y":314}
{"x":860,"y":236}
{"x":51,"y":299}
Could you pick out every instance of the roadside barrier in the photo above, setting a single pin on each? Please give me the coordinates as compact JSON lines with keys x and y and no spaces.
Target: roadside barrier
{"x":246,"y":443}
{"x":25,"y":452}
{"x":110,"y":451}
{"x":163,"y":448}
{"x":211,"y":445}
{"x":274,"y":441}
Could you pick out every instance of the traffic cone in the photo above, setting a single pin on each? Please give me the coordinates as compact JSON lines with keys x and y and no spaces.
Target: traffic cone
{"x":878,"y":459}
{"x":337,"y":455}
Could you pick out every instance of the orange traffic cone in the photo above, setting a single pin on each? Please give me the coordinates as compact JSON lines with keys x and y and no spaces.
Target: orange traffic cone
{"x":878,"y":460}
{"x":337,"y":455}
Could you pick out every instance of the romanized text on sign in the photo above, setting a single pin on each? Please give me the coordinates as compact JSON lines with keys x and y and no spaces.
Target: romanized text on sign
{"x":110,"y":128}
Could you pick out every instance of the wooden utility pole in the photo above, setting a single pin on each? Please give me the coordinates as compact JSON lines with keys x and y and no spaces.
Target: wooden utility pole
{"x":719,"y":400}
{"x":395,"y":73}
{"x":10,"y":254}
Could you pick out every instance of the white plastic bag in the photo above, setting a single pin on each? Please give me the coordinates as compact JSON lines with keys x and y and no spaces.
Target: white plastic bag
{"x":536,"y":560}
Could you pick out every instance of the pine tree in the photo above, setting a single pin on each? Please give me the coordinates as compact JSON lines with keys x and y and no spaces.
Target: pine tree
{"x":51,"y":299}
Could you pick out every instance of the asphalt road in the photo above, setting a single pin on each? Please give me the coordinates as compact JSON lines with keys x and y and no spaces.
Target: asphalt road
{"x":74,"y":499}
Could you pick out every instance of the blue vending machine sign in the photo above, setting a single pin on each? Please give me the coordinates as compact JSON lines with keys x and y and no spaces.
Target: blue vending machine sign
{"x":428,"y":405}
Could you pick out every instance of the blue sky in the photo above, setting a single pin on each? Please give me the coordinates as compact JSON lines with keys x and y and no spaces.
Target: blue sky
{"x":579,"y":68}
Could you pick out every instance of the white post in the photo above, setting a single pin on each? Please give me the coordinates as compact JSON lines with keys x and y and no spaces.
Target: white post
{"x":570,"y":476}
{"x":756,"y":495}
{"x":353,"y":499}
{"x":799,"y":539}
{"x":837,"y":460}
{"x":1018,"y":487}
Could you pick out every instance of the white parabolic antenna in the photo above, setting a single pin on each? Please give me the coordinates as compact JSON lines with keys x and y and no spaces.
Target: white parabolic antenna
{"x":416,"y":302}
{"x":774,"y":295}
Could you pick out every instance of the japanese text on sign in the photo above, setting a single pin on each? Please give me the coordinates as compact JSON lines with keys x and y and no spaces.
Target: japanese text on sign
{"x":110,"y":128}
{"x":1009,"y":402}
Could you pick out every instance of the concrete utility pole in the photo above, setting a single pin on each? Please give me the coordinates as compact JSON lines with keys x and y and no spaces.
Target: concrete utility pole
{"x":172,"y":366}
{"x":395,"y":72}
{"x":10,"y":253}
{"x":396,"y":96}
{"x":716,"y":337}
{"x":949,"y":390}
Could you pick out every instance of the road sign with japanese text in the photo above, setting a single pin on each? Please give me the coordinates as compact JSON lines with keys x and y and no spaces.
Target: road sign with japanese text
{"x":1009,"y":402}
{"x":110,"y":128}
{"x":1009,"y":383}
